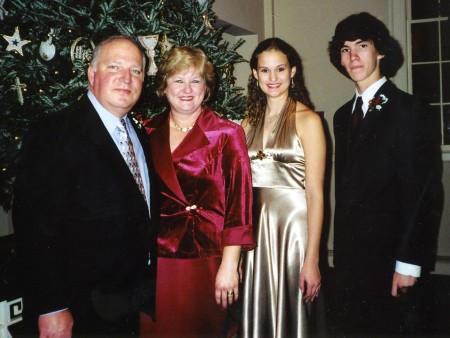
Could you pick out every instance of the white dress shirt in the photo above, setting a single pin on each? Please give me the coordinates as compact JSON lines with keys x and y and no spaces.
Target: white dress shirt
{"x":111,"y":121}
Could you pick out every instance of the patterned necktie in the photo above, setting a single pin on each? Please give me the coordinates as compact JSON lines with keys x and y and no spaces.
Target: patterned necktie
{"x":357,"y":115}
{"x":127,"y":150}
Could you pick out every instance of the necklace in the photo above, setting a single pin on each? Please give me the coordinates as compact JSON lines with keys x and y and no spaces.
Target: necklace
{"x":273,"y":118}
{"x":177,"y":127}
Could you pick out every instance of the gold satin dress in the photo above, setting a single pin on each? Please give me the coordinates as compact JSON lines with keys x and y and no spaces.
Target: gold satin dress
{"x":272,"y":299}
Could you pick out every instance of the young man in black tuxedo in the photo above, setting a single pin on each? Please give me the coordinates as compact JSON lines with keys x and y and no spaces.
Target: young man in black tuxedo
{"x":85,"y":222}
{"x":388,"y":183}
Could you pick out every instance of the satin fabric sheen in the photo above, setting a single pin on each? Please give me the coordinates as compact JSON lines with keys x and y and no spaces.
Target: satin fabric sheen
{"x":272,"y":299}
{"x":206,"y":203}
{"x":205,"y":187}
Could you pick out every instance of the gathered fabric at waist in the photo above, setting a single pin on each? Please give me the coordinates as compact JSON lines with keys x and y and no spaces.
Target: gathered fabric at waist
{"x":273,"y":174}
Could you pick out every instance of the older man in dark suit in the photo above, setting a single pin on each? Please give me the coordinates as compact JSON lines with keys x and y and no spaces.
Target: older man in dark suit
{"x":388,"y":179}
{"x":84,"y":210}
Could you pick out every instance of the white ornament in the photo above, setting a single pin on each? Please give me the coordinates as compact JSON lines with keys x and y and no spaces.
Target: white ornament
{"x":150,"y":42}
{"x":15,"y":42}
{"x":47,"y":49}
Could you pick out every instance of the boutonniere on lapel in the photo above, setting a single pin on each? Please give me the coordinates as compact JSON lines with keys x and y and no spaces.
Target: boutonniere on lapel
{"x":138,"y":119}
{"x":377,"y":102}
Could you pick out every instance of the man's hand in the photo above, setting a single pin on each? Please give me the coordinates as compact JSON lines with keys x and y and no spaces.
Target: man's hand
{"x":401,"y":283}
{"x":56,"y":325}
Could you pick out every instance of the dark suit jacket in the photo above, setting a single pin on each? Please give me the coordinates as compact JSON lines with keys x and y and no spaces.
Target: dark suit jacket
{"x":81,"y":222}
{"x":387,"y":185}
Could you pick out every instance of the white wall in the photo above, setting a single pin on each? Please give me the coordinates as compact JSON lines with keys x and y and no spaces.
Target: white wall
{"x":309,"y":25}
{"x":247,"y":14}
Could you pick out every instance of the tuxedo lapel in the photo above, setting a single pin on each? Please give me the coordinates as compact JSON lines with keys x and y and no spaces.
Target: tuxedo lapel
{"x":374,"y":118}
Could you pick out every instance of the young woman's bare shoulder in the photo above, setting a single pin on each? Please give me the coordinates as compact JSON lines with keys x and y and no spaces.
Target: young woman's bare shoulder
{"x":306,"y":118}
{"x":305,"y":113}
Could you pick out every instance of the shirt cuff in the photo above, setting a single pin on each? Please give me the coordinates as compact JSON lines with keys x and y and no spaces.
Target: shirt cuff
{"x":51,"y":313}
{"x":407,"y":269}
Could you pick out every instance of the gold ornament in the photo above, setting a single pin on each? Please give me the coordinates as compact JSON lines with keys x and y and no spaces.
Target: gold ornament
{"x":207,"y":23}
{"x":165,"y":44}
{"x":15,"y":42}
{"x":81,"y":50}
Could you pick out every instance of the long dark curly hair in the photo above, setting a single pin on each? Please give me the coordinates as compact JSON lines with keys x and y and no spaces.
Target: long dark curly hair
{"x":256,"y":99}
{"x":366,"y":27}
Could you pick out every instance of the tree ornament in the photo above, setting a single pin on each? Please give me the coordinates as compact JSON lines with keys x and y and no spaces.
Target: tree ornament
{"x":47,"y":49}
{"x":150,"y":42}
{"x":18,"y":87}
{"x":207,"y":23}
{"x":165,"y":44}
{"x":15,"y":42}
{"x":54,"y":84}
{"x":81,"y":52}
{"x":3,"y":11}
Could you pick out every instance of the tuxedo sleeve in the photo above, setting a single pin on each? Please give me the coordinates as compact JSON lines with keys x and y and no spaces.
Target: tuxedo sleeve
{"x":419,"y":174}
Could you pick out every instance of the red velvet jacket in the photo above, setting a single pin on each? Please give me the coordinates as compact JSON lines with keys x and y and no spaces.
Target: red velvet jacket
{"x":205,"y":187}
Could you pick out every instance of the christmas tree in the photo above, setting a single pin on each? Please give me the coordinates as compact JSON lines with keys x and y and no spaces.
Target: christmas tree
{"x":47,"y":45}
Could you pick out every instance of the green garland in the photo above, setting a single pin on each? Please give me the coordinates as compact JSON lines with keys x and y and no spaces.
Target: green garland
{"x":37,"y":83}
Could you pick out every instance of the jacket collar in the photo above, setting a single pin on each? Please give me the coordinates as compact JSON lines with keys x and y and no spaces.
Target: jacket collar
{"x":194,"y":140}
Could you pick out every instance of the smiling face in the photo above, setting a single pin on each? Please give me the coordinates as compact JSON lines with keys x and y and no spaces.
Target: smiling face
{"x":116,"y":77}
{"x":185,"y":91}
{"x":274,"y":74}
{"x":362,"y":62}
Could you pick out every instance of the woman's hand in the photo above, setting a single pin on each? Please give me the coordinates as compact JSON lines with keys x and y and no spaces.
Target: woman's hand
{"x":227,"y":278}
{"x":310,"y":281}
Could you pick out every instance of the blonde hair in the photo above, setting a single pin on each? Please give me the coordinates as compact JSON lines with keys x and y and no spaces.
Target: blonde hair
{"x":182,"y":58}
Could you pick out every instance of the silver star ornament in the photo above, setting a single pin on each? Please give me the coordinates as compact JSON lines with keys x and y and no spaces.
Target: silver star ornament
{"x":15,"y":42}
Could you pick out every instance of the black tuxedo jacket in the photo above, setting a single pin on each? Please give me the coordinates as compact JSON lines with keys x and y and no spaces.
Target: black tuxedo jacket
{"x":82,"y":225}
{"x":388,"y":180}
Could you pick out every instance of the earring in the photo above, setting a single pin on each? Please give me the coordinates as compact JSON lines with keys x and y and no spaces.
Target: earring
{"x":292,"y":83}
{"x":257,"y":83}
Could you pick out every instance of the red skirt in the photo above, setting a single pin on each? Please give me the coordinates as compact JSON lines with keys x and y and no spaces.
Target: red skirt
{"x":185,"y":300}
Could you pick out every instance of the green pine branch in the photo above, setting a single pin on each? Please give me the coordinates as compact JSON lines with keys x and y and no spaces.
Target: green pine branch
{"x":53,"y":84}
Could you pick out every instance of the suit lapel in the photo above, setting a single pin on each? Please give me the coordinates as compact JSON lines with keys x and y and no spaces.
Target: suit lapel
{"x":106,"y":148}
{"x":374,"y":117}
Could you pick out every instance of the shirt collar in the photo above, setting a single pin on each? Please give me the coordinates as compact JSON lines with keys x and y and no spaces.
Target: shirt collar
{"x":109,"y":119}
{"x":370,"y":92}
